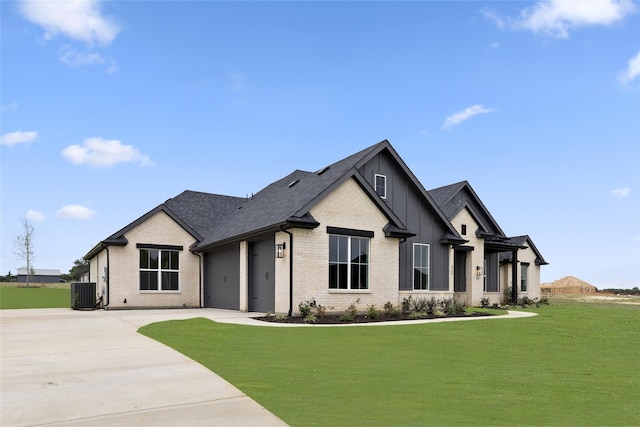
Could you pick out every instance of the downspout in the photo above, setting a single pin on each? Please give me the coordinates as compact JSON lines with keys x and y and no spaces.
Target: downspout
{"x":290,"y":270}
{"x":199,"y":279}
{"x":514,"y":276}
{"x":108,"y":274}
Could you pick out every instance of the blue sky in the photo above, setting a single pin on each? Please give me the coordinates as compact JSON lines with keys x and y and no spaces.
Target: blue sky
{"x":110,"y":108}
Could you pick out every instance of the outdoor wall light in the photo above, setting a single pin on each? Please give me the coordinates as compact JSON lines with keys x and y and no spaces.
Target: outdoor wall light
{"x":478,"y":271}
{"x":280,"y":247}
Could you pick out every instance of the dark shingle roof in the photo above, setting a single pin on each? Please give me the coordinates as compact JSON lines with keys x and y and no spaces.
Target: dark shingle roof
{"x":203,"y":211}
{"x":288,"y":199}
{"x":215,"y":219}
{"x":445,"y":198}
{"x":523,"y":241}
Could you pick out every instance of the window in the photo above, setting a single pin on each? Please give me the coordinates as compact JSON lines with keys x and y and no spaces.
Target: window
{"x":348,"y":262}
{"x":524,"y":277}
{"x":463,"y":229}
{"x":381,"y":185}
{"x":159,"y":270}
{"x":420,"y":266}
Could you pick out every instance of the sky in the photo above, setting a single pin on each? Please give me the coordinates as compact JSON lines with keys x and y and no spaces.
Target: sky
{"x":109,"y":108}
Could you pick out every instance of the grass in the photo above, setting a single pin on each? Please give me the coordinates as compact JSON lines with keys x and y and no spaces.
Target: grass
{"x":12,"y":297}
{"x":570,"y":365}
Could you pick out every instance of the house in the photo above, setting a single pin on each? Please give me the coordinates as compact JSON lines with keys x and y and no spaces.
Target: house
{"x":363,"y":228}
{"x":39,"y":275}
{"x":484,"y":266}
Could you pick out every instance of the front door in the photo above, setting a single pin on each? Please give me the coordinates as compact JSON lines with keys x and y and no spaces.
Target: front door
{"x":460,"y":271}
{"x":261,"y":275}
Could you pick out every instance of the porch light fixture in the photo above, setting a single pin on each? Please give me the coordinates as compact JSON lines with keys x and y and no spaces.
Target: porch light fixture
{"x":478,"y":271}
{"x":280,"y":247}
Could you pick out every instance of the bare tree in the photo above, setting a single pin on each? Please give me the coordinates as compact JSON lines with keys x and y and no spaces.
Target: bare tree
{"x":23,"y":247}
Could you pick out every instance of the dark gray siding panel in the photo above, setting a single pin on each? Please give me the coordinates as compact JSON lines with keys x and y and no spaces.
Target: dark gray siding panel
{"x":491,"y":272}
{"x":262,"y":290}
{"x":412,"y":209}
{"x":222,"y":278}
{"x":460,"y":271}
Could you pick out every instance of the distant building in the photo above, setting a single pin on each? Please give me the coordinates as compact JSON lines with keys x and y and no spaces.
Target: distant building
{"x":39,"y":276}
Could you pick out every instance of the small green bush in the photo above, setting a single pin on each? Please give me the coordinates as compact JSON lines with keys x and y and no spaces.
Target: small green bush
{"x":346,"y":317}
{"x":352,"y":309}
{"x":388,"y":308}
{"x":406,"y":304}
{"x":448,"y":306}
{"x":306,"y":307}
{"x":372,"y":312}
{"x":419,"y":305}
{"x":432,"y":305}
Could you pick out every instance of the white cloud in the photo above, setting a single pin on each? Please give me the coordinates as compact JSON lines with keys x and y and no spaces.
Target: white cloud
{"x":77,"y":19}
{"x":77,"y":59}
{"x":492,"y":16}
{"x":621,"y":192}
{"x":10,"y":107}
{"x":35,"y":216}
{"x":467,"y":113}
{"x":632,"y":71}
{"x":238,"y":82}
{"x":558,"y":17}
{"x":18,"y":137}
{"x":99,"y":152}
{"x":75,"y":212}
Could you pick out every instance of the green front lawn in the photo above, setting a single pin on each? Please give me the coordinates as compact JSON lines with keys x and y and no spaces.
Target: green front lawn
{"x":571,"y":365}
{"x":14,"y":297}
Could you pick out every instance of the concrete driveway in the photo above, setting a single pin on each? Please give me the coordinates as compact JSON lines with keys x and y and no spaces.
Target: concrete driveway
{"x":91,"y":368}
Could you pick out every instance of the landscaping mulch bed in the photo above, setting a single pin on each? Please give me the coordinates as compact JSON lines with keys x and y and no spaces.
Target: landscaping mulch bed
{"x":335,"y":319}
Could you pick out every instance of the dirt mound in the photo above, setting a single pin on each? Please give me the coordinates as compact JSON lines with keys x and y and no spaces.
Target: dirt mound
{"x":568,"y":285}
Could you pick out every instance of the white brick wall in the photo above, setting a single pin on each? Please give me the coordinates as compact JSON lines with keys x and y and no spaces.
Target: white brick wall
{"x":475,"y":258}
{"x":346,"y":207}
{"x":124,"y":263}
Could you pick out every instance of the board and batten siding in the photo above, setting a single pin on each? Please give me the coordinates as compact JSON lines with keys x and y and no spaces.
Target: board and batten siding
{"x":408,"y":203}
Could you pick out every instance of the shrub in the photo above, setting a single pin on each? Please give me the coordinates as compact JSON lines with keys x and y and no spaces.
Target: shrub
{"x":321,"y":310}
{"x":543,"y":301}
{"x":448,"y":306}
{"x":432,"y":305}
{"x":280,"y":317}
{"x":484,"y":302}
{"x":305,"y":307}
{"x":352,"y":309}
{"x":372,"y":312}
{"x":420,"y":305}
{"x":389,"y":308}
{"x":508,"y":294}
{"x":310,"y":318}
{"x":459,"y":306}
{"x":525,"y":301}
{"x":346,"y":317}
{"x":406,"y":304}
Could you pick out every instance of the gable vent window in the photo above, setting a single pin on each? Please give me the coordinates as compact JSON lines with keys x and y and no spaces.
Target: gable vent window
{"x":381,"y":185}
{"x":463,"y":230}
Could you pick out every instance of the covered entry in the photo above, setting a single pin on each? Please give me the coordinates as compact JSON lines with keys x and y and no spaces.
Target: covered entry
{"x":460,"y":268}
{"x":262,"y":275}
